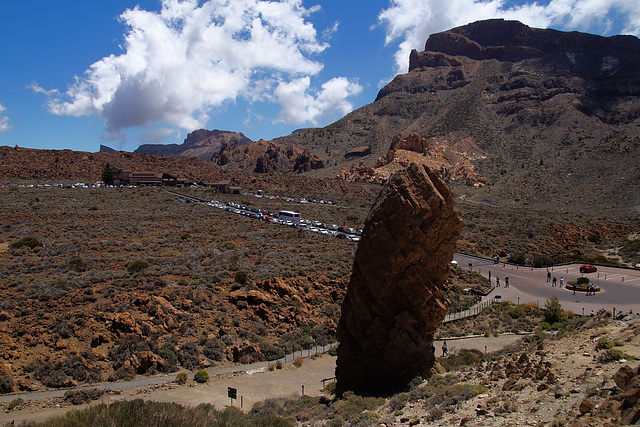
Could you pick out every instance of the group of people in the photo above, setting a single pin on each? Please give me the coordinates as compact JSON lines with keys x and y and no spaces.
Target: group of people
{"x":591,"y":290}
{"x":554,"y":281}
{"x":506,"y":280}
{"x":445,"y":349}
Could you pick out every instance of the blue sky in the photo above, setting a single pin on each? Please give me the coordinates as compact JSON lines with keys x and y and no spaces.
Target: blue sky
{"x":77,"y":74}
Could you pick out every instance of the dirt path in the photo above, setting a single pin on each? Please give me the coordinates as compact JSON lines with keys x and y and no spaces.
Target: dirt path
{"x":251,"y":386}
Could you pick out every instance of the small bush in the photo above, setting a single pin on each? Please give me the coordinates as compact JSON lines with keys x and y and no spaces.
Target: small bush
{"x":78,"y":397}
{"x":14,"y":403}
{"x":181,"y":378}
{"x":604,"y":343}
{"x":29,"y":242}
{"x":137,"y":266}
{"x":6,"y":384}
{"x":464,"y":357}
{"x":201,"y":376}
{"x":540,"y":261}
{"x":611,"y":355}
{"x":545,"y":326}
{"x":241,"y":277}
{"x":553,"y":312}
{"x":518,"y":259}
{"x":298,"y":362}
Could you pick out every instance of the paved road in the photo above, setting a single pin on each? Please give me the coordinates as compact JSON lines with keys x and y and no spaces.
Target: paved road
{"x":620,"y":287}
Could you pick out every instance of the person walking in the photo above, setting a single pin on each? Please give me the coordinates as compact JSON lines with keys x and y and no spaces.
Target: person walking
{"x":553,"y":282}
{"x":497,"y":281}
{"x":548,"y":276}
{"x":561,"y":281}
{"x":445,"y":350}
{"x":506,"y":281}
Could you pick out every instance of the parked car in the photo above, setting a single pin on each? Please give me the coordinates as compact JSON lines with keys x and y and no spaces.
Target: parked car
{"x":588,"y":268}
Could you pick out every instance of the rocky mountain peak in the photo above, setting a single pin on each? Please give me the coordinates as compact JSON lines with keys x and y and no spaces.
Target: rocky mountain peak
{"x":515,"y":41}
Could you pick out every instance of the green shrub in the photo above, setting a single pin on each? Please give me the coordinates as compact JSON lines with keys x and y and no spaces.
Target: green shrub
{"x":30,"y":242}
{"x":14,"y":403}
{"x":516,"y":312}
{"x":462,"y":358}
{"x":146,"y":413}
{"x":137,"y":266}
{"x":518,"y":258}
{"x":604,"y":343}
{"x":583,"y":281}
{"x":540,"y":261}
{"x":272,"y":352}
{"x":181,"y":378}
{"x":241,"y":277}
{"x":201,"y":376}
{"x":230,"y":245}
{"x":78,"y":397}
{"x":6,"y":384}
{"x":545,"y":326}
{"x":77,"y":264}
{"x":610,"y":355}
{"x":553,"y":312}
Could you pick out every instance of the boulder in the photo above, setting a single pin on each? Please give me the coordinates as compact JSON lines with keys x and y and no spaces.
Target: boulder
{"x":394,"y":303}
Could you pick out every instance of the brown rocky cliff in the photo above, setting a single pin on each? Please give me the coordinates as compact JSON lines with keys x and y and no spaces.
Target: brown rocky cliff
{"x":201,"y":143}
{"x":267,"y":157}
{"x":515,"y":41}
{"x":394,"y":304}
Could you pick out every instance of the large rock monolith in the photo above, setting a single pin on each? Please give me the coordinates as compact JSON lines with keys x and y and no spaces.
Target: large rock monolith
{"x":394,"y":304}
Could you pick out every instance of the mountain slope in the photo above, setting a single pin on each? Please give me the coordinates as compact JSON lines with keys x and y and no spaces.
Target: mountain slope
{"x":556,"y":114}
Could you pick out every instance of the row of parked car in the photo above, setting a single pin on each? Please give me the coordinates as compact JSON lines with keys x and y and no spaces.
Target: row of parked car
{"x":293,"y":200}
{"x":318,"y":227}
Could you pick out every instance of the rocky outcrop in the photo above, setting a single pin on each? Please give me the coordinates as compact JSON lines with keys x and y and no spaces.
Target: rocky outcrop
{"x":394,"y":304}
{"x":268,"y":157}
{"x":201,"y":143}
{"x":515,"y":41}
{"x":359,"y":173}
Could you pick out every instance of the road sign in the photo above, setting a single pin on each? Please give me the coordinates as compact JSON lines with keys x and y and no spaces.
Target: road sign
{"x":232,"y":392}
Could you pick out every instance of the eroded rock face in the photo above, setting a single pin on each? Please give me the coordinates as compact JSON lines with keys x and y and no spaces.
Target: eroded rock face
{"x":394,"y":304}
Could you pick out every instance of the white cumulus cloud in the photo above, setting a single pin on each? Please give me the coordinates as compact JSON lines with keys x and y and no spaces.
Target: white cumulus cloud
{"x":409,"y":22}
{"x":179,"y":64}
{"x":4,"y":120}
{"x":302,"y":105}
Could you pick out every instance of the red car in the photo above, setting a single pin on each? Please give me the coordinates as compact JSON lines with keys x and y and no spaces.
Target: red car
{"x":588,"y":268}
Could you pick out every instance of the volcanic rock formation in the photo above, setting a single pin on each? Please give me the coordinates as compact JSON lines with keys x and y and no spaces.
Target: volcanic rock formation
{"x":394,"y":304}
{"x":201,"y":143}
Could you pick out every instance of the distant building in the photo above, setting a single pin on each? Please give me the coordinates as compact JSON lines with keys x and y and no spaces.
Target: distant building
{"x":129,"y":177}
{"x":226,"y":186}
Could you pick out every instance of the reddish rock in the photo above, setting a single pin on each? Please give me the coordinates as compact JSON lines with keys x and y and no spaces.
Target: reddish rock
{"x":25,"y":384}
{"x":144,"y":360}
{"x":5,"y":369}
{"x":242,"y":349}
{"x":253,"y":297}
{"x":123,"y":323}
{"x":98,"y":339}
{"x":165,"y":305}
{"x":586,"y":406}
{"x":394,"y":303}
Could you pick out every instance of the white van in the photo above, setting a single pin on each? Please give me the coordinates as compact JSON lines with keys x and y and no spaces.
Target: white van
{"x":289,"y":216}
